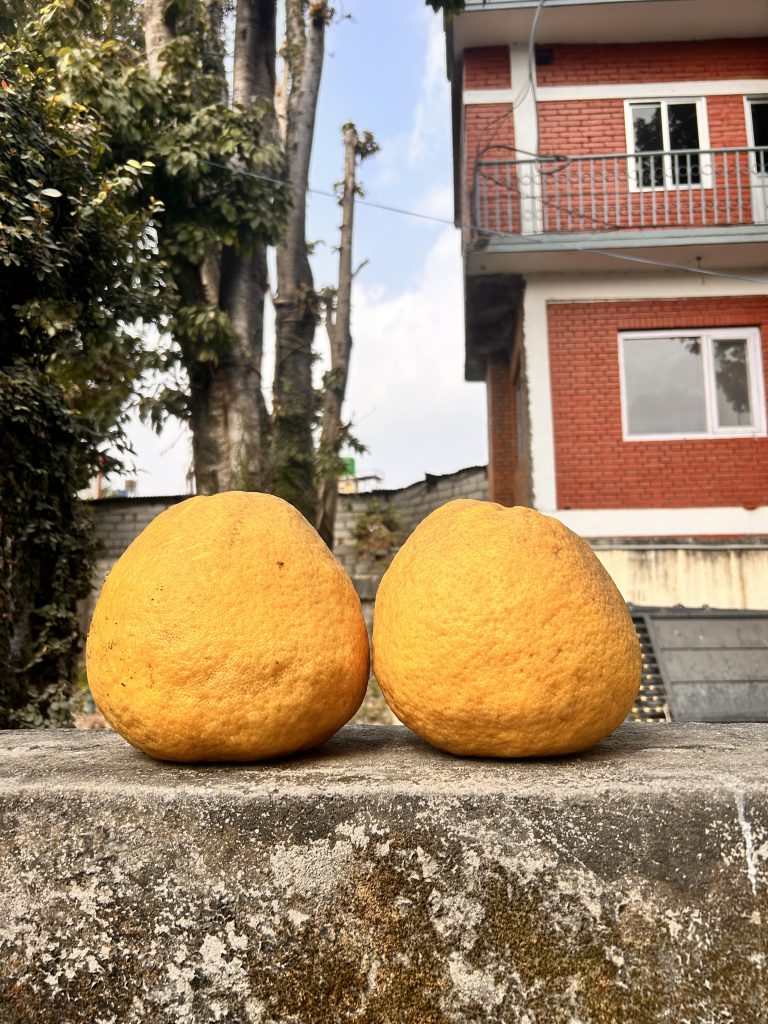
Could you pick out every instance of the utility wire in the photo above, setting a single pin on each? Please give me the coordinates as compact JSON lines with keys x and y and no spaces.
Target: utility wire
{"x":522,"y":92}
{"x":587,"y":250}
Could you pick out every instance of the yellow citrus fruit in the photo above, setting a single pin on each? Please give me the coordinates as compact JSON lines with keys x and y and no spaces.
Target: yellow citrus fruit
{"x":498,"y":632}
{"x":227,"y":632}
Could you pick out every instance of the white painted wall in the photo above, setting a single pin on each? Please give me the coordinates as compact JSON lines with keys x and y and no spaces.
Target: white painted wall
{"x":719,"y":578}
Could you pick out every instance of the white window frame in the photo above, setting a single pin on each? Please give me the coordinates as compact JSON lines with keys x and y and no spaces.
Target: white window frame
{"x":706,"y":335}
{"x":705,"y":163}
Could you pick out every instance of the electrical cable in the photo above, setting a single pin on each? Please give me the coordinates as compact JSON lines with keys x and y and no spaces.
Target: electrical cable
{"x":523,"y":92}
{"x":461,"y":225}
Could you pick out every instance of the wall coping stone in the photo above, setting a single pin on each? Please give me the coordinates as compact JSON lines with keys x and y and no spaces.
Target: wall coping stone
{"x":379,"y":880}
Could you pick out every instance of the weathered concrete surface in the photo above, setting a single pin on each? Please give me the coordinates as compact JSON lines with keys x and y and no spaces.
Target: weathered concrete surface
{"x":378,"y":880}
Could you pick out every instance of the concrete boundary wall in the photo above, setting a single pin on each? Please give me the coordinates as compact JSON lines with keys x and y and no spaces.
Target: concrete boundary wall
{"x":379,"y":881}
{"x":662,"y":572}
{"x":117,"y":521}
{"x":714,"y":573}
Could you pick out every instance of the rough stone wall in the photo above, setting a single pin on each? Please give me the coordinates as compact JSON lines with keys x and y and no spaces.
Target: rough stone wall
{"x":378,"y":881}
{"x":119,"y":520}
{"x":411,"y":505}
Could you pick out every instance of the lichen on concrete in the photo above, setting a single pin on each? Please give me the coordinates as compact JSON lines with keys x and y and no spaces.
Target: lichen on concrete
{"x":379,"y":881}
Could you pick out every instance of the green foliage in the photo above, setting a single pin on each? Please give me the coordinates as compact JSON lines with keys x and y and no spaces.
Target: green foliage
{"x":115,"y":189}
{"x":449,"y":7}
{"x":65,"y":212}
{"x":46,"y":547}
{"x":210,"y":171}
{"x":377,"y":532}
{"x":74,"y":266}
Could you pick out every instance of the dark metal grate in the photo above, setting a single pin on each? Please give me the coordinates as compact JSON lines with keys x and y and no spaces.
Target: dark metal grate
{"x":651,"y":704}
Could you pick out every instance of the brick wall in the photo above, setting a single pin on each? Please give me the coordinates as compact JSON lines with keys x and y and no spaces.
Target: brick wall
{"x":487,"y":67}
{"x":582,"y":127}
{"x":489,"y":134}
{"x":594,"y":467}
{"x":509,"y":476}
{"x":594,"y":127}
{"x":502,"y":429}
{"x":697,"y":60}
{"x":597,"y":126}
{"x":585,"y":127}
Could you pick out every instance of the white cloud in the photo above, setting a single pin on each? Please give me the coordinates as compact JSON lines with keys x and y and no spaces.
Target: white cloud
{"x":436,"y":202}
{"x":162,"y":461}
{"x":429,"y":128}
{"x":407,"y":394}
{"x":434,"y":98}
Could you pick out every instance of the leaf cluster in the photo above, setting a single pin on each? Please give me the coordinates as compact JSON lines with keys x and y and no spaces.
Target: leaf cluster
{"x":46,"y":546}
{"x":377,"y":531}
{"x":449,"y":7}
{"x":77,"y":264}
{"x":74,"y":251}
{"x":211,"y":171}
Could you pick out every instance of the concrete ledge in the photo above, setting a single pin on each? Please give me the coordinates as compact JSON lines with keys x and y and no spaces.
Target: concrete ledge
{"x":378,"y":880}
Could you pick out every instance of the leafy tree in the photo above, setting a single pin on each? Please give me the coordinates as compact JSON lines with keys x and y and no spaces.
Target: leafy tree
{"x":154,"y":74}
{"x":220,"y":169}
{"x":74,"y":267}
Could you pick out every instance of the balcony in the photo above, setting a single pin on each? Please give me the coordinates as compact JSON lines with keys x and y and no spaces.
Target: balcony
{"x":684,"y":198}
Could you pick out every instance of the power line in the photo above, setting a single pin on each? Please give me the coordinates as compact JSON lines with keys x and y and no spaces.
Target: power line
{"x":522,"y":92}
{"x":587,"y":250}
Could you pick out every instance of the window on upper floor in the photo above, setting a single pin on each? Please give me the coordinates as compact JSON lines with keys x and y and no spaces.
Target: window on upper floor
{"x":672,"y":134}
{"x":757,"y":131}
{"x":691,"y":384}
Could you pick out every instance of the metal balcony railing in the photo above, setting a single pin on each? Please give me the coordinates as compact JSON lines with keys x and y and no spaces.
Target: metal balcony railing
{"x":694,"y":189}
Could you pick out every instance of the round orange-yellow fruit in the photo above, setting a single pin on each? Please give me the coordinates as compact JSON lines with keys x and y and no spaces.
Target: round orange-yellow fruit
{"x":227,"y":632}
{"x":497,"y":632}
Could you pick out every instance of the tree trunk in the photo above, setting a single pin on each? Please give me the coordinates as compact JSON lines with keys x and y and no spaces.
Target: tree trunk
{"x":338,"y":324}
{"x":227,"y":406}
{"x":233,"y":420}
{"x":228,"y":415}
{"x":254,"y":76}
{"x":157,"y":34}
{"x":293,"y":468}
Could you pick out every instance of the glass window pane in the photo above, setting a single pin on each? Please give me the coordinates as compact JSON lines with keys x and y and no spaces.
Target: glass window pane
{"x":732,"y":383}
{"x":759,"y":110}
{"x":646,"y":122}
{"x":683,"y":126}
{"x":646,"y":127}
{"x":684,"y":134}
{"x":664,"y":386}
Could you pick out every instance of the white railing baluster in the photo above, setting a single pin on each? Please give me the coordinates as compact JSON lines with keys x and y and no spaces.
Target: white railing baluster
{"x":719,"y":185}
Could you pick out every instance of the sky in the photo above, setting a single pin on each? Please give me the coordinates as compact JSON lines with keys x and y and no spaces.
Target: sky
{"x":406,"y":396}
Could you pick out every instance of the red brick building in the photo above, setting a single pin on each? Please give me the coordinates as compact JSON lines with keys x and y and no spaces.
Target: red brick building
{"x":611,"y":170}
